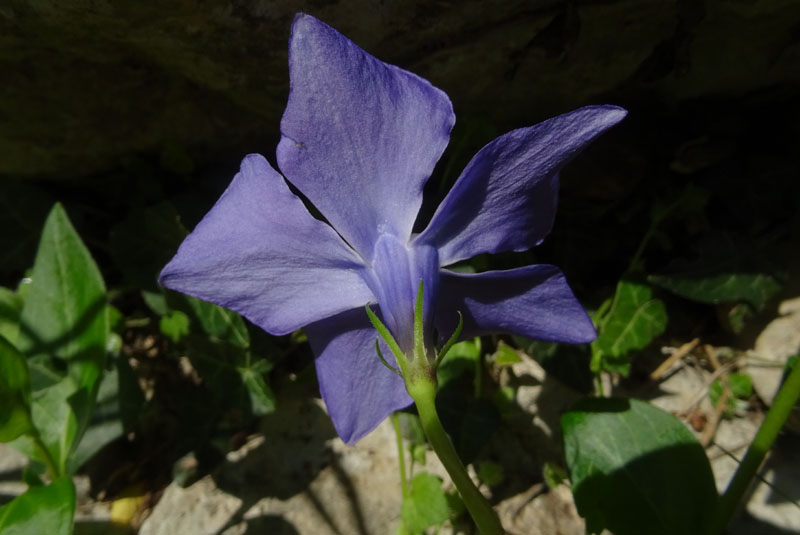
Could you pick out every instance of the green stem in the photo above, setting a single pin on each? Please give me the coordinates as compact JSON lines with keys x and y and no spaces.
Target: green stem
{"x":401,"y":458}
{"x":423,"y":391}
{"x":43,"y":451}
{"x":766,"y":435}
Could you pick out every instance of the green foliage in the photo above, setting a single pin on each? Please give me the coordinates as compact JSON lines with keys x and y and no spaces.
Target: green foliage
{"x":174,"y":325}
{"x":490,"y":473}
{"x":635,"y":467}
{"x":425,"y":504}
{"x":218,"y":343}
{"x":15,"y":393}
{"x":703,"y":287}
{"x":10,"y":307}
{"x":505,"y":355}
{"x":741,"y":388}
{"x":41,"y":510}
{"x":417,"y":453}
{"x":461,"y":358}
{"x":64,"y":315}
{"x":54,"y":412}
{"x":60,"y":321}
{"x":63,"y":324}
{"x":219,"y":323}
{"x":262,"y":399}
{"x":633,"y":319}
{"x":554,"y":475}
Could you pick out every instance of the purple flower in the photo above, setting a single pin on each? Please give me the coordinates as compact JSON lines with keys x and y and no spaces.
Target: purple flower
{"x":359,"y":138}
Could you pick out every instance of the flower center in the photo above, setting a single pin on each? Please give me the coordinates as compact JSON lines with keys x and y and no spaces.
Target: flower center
{"x":397,"y":269}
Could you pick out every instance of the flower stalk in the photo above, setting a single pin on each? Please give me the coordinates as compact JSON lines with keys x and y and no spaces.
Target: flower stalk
{"x":782,"y":406}
{"x":423,"y":392}
{"x":419,"y":374}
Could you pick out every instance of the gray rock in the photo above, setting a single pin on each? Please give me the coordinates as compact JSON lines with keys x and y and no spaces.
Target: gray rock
{"x":87,"y":84}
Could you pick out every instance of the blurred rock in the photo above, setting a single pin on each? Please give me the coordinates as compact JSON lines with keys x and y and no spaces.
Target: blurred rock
{"x":88,"y":83}
{"x":776,"y":343}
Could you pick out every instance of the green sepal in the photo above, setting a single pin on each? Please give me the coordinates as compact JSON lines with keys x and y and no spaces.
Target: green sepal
{"x":451,"y":342}
{"x":387,"y":337}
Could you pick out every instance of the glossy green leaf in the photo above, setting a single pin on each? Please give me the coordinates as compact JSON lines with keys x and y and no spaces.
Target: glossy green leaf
{"x":44,"y":510}
{"x":753,"y":288}
{"x":15,"y":393}
{"x":634,"y":319}
{"x":490,"y":473}
{"x":741,"y":388}
{"x":174,"y":325}
{"x":418,"y":453}
{"x":65,"y":310}
{"x":105,"y":424}
{"x":425,"y":504}
{"x":505,"y":355}
{"x":155,"y":301}
{"x":636,"y":468}
{"x":53,"y":413}
{"x":554,"y":475}
{"x":218,"y":322}
{"x":262,"y":399}
{"x":10,"y":307}
{"x":461,"y":358}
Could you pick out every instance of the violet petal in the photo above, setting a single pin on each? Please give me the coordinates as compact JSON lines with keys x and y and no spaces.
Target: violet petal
{"x":505,"y":200}
{"x":531,"y":301}
{"x":359,"y":137}
{"x":259,"y":252}
{"x":358,"y":390}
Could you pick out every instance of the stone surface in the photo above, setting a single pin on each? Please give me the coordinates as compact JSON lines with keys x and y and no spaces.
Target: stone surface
{"x":87,"y":84}
{"x":11,"y":464}
{"x":776,"y":343}
{"x":297,"y":478}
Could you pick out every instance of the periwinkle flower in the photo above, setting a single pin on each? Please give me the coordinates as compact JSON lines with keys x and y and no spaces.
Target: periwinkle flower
{"x":359,"y":138}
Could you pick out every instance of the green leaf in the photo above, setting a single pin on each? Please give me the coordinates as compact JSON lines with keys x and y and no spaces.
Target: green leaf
{"x":218,"y":322}
{"x":262,"y":399}
{"x":417,"y":452}
{"x":425,"y":504}
{"x":411,"y":427}
{"x":741,"y":385}
{"x":15,"y":393}
{"x":156,"y":301}
{"x":505,"y":355}
{"x":174,"y":325}
{"x":53,"y":413}
{"x":554,"y":475}
{"x":635,"y":467}
{"x":741,"y":388}
{"x":65,"y":310}
{"x":753,"y":288}
{"x":10,"y":307}
{"x":634,"y":319}
{"x":105,"y":424}
{"x":490,"y":473}
{"x":461,"y":358}
{"x":41,"y":510}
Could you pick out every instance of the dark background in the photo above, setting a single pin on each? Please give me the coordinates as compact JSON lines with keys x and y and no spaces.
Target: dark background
{"x":130,"y":112}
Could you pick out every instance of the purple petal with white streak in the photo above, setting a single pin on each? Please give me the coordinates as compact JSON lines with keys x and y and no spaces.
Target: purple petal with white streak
{"x":358,"y":390}
{"x":505,"y":200}
{"x":532,"y":301}
{"x":259,"y":252}
{"x":359,"y":137}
